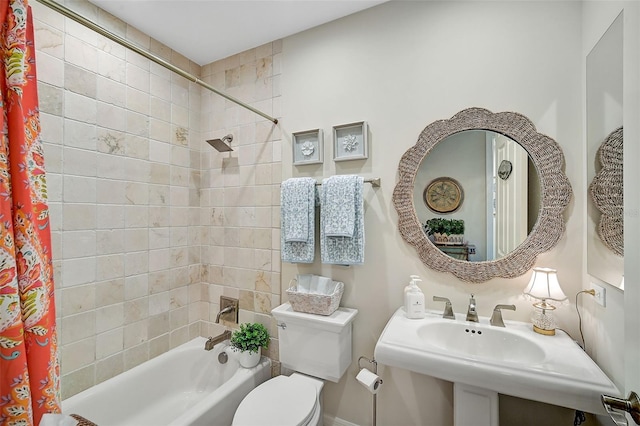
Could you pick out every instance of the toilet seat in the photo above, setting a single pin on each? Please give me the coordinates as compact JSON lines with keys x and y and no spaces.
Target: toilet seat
{"x":280,"y":401}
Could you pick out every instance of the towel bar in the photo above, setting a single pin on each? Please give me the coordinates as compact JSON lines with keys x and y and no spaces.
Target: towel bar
{"x":375,"y":182}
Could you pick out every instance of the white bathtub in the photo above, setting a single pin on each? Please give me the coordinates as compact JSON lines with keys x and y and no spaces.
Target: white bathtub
{"x":185,"y":386}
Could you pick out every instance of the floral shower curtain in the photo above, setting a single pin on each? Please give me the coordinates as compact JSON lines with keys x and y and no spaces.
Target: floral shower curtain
{"x":29,"y":367}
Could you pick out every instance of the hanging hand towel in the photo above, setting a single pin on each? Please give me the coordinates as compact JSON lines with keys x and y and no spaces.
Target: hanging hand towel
{"x":297,"y":217}
{"x":342,"y":250}
{"x":339,"y":208}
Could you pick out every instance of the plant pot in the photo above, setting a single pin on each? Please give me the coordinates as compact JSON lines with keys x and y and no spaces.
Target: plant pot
{"x":453,"y":239}
{"x":248,"y":359}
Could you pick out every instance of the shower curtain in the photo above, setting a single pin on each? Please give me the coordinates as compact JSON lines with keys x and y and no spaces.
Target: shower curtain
{"x":29,"y":367}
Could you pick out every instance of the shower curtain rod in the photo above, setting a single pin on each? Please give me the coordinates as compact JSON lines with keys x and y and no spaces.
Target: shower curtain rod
{"x":124,"y":42}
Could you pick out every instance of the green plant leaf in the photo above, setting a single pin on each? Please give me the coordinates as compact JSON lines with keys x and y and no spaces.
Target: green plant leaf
{"x":250,"y":337}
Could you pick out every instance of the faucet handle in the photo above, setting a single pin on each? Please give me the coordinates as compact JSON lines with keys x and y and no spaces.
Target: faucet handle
{"x":448,"y":309}
{"x":496,"y":317}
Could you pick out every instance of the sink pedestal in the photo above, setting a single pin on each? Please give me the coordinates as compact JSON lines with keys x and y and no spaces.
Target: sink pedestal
{"x":474,"y":406}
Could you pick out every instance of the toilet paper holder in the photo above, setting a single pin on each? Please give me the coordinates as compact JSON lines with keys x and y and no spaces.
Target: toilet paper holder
{"x":370,"y":361}
{"x":375,"y":396}
{"x":630,"y":405}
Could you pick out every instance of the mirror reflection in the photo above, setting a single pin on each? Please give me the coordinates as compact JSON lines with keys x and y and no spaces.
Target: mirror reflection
{"x":604,"y":115}
{"x":483,"y":188}
{"x":548,"y":161}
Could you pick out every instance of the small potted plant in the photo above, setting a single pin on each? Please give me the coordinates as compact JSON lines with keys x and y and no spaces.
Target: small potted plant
{"x":445,"y":231}
{"x":249,"y":340}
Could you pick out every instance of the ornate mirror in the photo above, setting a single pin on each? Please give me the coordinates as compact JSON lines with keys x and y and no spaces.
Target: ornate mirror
{"x":545,"y":162}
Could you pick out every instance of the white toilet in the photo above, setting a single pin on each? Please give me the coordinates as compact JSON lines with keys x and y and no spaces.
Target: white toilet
{"x":316,"y":348}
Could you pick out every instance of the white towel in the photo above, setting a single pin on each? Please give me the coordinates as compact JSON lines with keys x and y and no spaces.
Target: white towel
{"x":297,"y":218}
{"x":304,"y":283}
{"x":321,"y":285}
{"x":49,"y":419}
{"x":342,"y":250}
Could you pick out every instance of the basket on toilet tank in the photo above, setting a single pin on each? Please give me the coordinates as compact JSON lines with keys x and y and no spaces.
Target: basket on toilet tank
{"x":314,"y":294}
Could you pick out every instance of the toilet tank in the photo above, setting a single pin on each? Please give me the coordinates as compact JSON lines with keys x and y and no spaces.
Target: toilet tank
{"x":316,"y":345}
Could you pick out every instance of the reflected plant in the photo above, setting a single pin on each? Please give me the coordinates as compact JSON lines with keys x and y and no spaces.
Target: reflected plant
{"x":438,"y":225}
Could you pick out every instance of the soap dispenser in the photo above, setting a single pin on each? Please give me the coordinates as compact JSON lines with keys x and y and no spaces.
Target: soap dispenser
{"x":414,"y":299}
{"x":408,"y":287}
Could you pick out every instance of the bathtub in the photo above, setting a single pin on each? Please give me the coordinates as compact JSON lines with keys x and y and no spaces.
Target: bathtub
{"x":185,"y":386}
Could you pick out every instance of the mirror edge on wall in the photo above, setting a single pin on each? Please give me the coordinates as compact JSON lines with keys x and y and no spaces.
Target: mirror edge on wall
{"x":604,"y":109}
{"x":546,"y":155}
{"x":606,"y":192}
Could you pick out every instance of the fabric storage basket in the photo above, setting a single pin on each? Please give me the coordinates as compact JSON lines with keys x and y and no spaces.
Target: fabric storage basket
{"x":315,"y":303}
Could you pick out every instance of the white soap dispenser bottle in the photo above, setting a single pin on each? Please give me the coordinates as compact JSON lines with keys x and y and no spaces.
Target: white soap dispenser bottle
{"x":407,"y":288}
{"x":414,"y":300}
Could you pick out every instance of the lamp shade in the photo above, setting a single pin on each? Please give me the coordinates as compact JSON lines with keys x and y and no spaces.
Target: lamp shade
{"x":544,"y":285}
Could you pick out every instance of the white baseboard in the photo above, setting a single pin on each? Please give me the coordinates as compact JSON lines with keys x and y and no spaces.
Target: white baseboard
{"x":336,"y":421}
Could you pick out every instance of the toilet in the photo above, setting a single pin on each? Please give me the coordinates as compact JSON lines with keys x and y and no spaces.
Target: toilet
{"x":315,"y":348}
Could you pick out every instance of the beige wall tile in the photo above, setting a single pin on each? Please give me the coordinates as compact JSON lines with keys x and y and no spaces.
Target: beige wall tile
{"x":77,"y":381}
{"x":109,"y":367}
{"x":78,"y":299}
{"x":109,"y":343}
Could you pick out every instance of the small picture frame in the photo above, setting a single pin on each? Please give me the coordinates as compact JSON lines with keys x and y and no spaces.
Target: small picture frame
{"x":308,"y":147}
{"x":350,"y":142}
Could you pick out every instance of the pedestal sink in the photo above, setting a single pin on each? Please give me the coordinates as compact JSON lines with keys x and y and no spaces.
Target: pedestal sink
{"x":482,"y":361}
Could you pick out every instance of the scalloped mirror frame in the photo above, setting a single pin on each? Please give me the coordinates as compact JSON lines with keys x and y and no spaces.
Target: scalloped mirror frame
{"x":556,"y":193}
{"x":606,"y":191}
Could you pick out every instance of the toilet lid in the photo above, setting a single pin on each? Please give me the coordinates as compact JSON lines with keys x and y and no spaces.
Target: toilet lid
{"x":278,"y":402}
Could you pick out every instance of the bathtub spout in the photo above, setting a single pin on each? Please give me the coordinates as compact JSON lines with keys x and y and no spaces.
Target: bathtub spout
{"x":212,"y":341}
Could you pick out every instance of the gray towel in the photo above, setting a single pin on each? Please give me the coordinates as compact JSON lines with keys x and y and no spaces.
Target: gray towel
{"x":297,"y":217}
{"x":342,"y":250}
{"x":339,"y":208}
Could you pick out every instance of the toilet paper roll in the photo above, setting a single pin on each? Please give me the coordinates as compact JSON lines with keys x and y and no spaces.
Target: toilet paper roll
{"x":369,"y":380}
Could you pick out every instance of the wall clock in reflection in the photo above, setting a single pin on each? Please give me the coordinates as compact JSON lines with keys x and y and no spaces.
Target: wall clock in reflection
{"x":443,"y":195}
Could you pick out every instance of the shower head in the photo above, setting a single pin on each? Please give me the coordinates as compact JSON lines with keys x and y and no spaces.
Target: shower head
{"x":222,"y":145}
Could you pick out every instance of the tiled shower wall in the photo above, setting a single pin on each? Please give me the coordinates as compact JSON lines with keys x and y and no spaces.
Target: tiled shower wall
{"x":122,"y":145}
{"x":150,"y":225}
{"x":241,"y":190}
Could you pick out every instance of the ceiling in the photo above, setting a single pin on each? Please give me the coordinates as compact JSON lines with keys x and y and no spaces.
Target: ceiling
{"x":208,"y":30}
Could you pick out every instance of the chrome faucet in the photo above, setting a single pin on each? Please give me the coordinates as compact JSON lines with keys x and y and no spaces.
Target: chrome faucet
{"x":448,"y":309}
{"x":472,"y":315}
{"x":496,"y":317}
{"x":212,"y":341}
{"x":224,"y":311}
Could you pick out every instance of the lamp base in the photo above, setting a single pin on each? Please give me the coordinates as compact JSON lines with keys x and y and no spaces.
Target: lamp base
{"x":551,"y":332}
{"x":542,"y":319}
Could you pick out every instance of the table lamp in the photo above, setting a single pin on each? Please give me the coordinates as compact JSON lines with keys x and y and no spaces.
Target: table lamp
{"x":544,"y":286}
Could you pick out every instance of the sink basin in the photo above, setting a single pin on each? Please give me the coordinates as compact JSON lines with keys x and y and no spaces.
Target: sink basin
{"x":513,"y":360}
{"x":487,"y":343}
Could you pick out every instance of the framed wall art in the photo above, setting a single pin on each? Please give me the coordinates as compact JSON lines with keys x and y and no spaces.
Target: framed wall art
{"x":308,"y":147}
{"x":350,"y":142}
